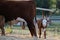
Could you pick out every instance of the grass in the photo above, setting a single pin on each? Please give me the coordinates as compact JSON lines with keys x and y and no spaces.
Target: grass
{"x":54,"y":28}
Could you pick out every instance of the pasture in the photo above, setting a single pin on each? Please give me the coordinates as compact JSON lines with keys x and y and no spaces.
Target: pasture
{"x":53,"y":32}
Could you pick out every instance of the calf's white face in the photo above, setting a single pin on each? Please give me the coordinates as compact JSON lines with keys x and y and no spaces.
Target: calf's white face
{"x":44,"y":22}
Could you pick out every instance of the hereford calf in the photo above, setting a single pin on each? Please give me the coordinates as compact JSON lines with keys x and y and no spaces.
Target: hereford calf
{"x":40,"y":26}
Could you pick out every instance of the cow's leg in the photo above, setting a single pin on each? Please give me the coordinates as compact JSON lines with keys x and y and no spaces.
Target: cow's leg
{"x":44,"y":33}
{"x":32,"y":29}
{"x":2,"y":22}
{"x":39,"y":27}
{"x":39,"y":32}
{"x":23,"y":26}
{"x":3,"y":31}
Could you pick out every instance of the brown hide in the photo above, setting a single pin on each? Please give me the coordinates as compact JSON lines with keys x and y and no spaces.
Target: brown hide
{"x":24,"y":9}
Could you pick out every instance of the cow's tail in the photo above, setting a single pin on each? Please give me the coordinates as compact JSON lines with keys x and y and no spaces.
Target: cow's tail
{"x":36,"y":25}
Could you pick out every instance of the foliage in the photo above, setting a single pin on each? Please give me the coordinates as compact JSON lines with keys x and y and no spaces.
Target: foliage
{"x":42,"y":4}
{"x":58,"y":4}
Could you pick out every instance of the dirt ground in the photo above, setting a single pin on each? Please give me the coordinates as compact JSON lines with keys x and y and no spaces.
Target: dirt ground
{"x":28,"y":37}
{"x":24,"y":37}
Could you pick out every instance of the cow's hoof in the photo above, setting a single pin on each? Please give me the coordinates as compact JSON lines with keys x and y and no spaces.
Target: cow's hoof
{"x":35,"y":38}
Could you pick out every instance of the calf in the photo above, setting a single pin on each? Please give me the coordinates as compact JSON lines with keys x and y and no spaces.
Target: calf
{"x":40,"y":26}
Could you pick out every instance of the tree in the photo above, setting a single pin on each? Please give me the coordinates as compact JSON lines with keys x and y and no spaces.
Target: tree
{"x":39,"y":4}
{"x":46,"y":4}
{"x":42,"y":4}
{"x":58,"y":4}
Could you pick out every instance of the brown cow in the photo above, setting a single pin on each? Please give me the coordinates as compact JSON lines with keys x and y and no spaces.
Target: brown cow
{"x":24,"y":9}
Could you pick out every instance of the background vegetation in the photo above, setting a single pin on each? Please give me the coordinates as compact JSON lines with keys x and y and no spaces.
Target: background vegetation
{"x":49,"y":4}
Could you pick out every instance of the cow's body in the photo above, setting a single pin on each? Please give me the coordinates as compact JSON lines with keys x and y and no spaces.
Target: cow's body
{"x":11,"y":9}
{"x":24,"y":9}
